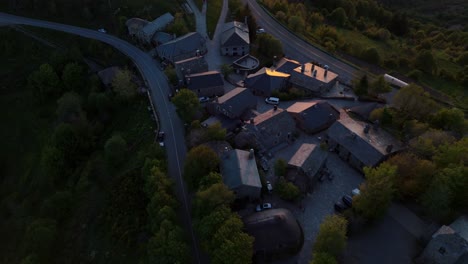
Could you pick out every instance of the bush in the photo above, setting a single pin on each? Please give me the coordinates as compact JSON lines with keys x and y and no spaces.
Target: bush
{"x":115,"y":150}
{"x":287,"y":190}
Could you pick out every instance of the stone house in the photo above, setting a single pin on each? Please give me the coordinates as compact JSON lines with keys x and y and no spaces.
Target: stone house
{"x":240,"y":174}
{"x":313,"y":117}
{"x":184,"y":47}
{"x":235,"y":39}
{"x":207,"y":84}
{"x":233,"y":104}
{"x":361,"y":144}
{"x":265,"y":81}
{"x":308,"y":160}
{"x":312,"y":79}
{"x":189,"y":66}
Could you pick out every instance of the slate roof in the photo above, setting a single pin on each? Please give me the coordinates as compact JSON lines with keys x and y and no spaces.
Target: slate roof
{"x":135,"y":24}
{"x":316,"y":115}
{"x":309,"y":157}
{"x":108,"y":74}
{"x":369,"y":148}
{"x":461,"y":226}
{"x":364,"y":110}
{"x":266,"y":79}
{"x":187,"y":43}
{"x":157,"y":24}
{"x":162,"y":37}
{"x":287,"y":65}
{"x":235,"y":34}
{"x":193,"y":65}
{"x":240,"y":170}
{"x":204,"y":80}
{"x":274,"y":230}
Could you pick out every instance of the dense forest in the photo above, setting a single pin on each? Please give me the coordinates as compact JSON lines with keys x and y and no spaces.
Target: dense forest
{"x":79,"y":166}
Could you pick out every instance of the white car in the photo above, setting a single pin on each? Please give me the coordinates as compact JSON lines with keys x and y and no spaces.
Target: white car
{"x":261,"y":31}
{"x":272,"y":100}
{"x":261,"y":207}
{"x":102,"y":30}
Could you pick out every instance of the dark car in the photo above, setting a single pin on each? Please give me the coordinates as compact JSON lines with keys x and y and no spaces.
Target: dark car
{"x":340,"y":207}
{"x":161,"y":136}
{"x":348,"y":200}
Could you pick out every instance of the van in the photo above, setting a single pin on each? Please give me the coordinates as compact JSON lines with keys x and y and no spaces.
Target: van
{"x":272,"y":100}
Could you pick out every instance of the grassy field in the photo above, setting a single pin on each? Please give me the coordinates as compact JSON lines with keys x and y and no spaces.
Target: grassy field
{"x":212,"y":15}
{"x":27,"y":128}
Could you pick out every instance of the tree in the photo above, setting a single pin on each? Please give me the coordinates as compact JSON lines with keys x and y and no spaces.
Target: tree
{"x":361,"y":85}
{"x":53,"y":163}
{"x":450,"y":119}
{"x":40,"y":236}
{"x":207,"y":225}
{"x":215,"y":132}
{"x":115,"y":149}
{"x":123,"y":84}
{"x":413,"y":101}
{"x":167,"y":246}
{"x":210,"y":179}
{"x":69,"y":108}
{"x":427,"y":144}
{"x":425,"y":62}
{"x":200,"y":161}
{"x":226,"y":70}
{"x":187,"y":104}
{"x":331,"y":238}
{"x":171,"y":75}
{"x":379,"y":86}
{"x":323,"y":258}
{"x":316,"y":19}
{"x":371,"y":55}
{"x":452,"y":154}
{"x":237,"y":249}
{"x":287,"y":190}
{"x":280,"y":167}
{"x":269,"y":46}
{"x":296,"y":24}
{"x":72,"y":77}
{"x":413,"y":174}
{"x":58,"y":206}
{"x":339,"y":17}
{"x":44,"y":82}
{"x":377,"y":192}
{"x":209,"y":199}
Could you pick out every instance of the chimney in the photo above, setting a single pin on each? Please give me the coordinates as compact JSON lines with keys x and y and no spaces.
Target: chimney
{"x":376,"y":124}
{"x":275,"y":107}
{"x":216,"y":99}
{"x":314,"y":73}
{"x":313,"y":67}
{"x":325,"y":73}
{"x":366,"y":129}
{"x":303,"y":68}
{"x":251,"y":154}
{"x":252,"y":121}
{"x":389,"y":148}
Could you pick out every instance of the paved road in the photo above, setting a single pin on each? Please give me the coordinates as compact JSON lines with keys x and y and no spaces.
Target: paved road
{"x":296,"y":48}
{"x":156,"y":81}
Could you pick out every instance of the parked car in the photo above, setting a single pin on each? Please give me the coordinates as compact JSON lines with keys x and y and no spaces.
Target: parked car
{"x":269,"y":187}
{"x":340,"y":207}
{"x":348,"y":200}
{"x":272,"y":100}
{"x":102,"y":30}
{"x":260,"y":30}
{"x":203,"y":99}
{"x":161,"y":136}
{"x":261,"y":207}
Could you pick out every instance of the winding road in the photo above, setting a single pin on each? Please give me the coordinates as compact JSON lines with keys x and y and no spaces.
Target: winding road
{"x":297,"y":48}
{"x":159,"y":89}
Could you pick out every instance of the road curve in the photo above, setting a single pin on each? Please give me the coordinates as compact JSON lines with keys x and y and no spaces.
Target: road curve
{"x":159,"y":89}
{"x":298,"y":49}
